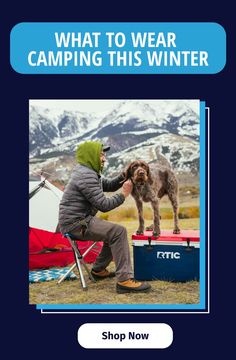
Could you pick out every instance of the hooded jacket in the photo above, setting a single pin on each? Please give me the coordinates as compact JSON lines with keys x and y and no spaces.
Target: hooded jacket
{"x":88,"y":154}
{"x":84,"y":193}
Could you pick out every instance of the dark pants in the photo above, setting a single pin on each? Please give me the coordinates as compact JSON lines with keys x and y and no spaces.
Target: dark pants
{"x":115,"y":246}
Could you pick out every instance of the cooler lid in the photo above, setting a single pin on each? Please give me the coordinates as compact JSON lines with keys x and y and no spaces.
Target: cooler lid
{"x":167,"y":235}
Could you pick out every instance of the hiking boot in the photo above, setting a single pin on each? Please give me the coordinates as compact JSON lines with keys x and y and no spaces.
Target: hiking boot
{"x":132,"y":285}
{"x":104,"y":274}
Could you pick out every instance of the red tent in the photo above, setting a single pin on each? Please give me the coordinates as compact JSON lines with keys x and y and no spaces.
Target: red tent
{"x":48,"y":248}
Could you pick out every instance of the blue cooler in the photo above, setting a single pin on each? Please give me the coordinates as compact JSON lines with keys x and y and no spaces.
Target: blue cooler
{"x":170,"y":257}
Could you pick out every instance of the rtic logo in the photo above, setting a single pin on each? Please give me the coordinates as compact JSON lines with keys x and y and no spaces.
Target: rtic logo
{"x":168,"y":255}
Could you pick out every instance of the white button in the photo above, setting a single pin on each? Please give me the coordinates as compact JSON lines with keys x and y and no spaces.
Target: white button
{"x":125,"y":335}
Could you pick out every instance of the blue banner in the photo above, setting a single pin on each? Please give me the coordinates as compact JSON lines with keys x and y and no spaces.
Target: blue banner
{"x":118,"y":48}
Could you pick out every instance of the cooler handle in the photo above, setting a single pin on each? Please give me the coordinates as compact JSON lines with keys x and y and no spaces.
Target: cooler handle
{"x":188,"y":247}
{"x":149,"y":246}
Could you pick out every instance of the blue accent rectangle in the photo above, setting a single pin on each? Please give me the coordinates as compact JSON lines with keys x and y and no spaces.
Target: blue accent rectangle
{"x":202,"y":203}
{"x":118,"y":48}
{"x":120,"y":307}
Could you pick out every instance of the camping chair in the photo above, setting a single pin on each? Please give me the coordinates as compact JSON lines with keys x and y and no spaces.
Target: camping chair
{"x":79,"y":261}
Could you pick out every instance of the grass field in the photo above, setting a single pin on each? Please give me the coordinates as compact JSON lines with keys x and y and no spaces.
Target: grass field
{"x":103,"y":292}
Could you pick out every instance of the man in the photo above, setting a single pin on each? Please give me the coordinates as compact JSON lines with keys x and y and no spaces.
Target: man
{"x":82,"y":198}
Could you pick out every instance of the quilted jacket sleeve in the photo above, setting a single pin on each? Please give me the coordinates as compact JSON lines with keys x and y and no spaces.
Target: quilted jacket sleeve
{"x":113,"y":184}
{"x":92,"y":191}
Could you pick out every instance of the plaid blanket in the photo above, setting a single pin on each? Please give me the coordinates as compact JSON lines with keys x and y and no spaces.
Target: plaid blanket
{"x":50,"y":274}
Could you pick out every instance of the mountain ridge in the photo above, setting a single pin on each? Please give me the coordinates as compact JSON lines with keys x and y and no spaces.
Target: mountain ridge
{"x":171,"y":127}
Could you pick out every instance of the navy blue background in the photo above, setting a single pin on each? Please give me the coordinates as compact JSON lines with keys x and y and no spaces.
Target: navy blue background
{"x":25,"y":330}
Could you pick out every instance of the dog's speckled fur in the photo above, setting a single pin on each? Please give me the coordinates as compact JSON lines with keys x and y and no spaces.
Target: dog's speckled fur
{"x":150,"y":185}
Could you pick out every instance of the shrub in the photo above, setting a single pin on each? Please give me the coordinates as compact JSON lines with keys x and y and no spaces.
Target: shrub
{"x":127,"y":213}
{"x":130,"y":213}
{"x":104,"y":216}
{"x":189,"y":212}
{"x":189,"y":190}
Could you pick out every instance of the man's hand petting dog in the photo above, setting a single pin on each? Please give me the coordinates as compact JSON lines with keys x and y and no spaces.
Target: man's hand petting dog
{"x":127,"y":188}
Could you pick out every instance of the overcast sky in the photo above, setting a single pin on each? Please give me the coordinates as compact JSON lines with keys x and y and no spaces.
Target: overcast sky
{"x":96,"y":105}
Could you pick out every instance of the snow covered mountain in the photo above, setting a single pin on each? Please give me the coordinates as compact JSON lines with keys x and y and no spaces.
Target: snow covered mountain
{"x":166,"y":149}
{"x":50,"y":128}
{"x":133,"y":128}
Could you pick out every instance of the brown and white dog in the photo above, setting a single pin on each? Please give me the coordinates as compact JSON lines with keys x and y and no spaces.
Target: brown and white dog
{"x":150,"y":186}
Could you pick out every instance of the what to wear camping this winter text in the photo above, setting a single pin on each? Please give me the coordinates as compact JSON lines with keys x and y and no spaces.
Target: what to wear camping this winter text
{"x":140,"y":48}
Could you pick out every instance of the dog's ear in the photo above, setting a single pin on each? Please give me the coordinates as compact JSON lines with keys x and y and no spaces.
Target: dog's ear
{"x":150,"y":179}
{"x":128,"y":173}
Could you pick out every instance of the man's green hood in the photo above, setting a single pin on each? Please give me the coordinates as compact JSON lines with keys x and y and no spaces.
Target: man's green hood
{"x":88,"y":154}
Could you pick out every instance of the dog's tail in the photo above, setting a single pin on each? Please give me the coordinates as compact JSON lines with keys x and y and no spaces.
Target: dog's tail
{"x":161,"y":159}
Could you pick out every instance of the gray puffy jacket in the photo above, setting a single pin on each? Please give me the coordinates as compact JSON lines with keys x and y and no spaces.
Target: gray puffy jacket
{"x":83,"y":197}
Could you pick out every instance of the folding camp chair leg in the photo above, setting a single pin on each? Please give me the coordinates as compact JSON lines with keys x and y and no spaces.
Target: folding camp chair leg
{"x":63,"y":277}
{"x":78,"y":258}
{"x":85,"y":266}
{"x":78,"y":262}
{"x":87,"y":270}
{"x":90,"y":248}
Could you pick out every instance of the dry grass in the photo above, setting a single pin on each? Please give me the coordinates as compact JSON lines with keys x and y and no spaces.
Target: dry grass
{"x":189,"y":209}
{"x":70,"y":292}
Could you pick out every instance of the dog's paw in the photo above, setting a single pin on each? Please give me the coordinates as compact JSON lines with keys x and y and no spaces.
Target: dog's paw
{"x":149,"y":228}
{"x":139,"y":232}
{"x":176,"y":231}
{"x":156,"y":234}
